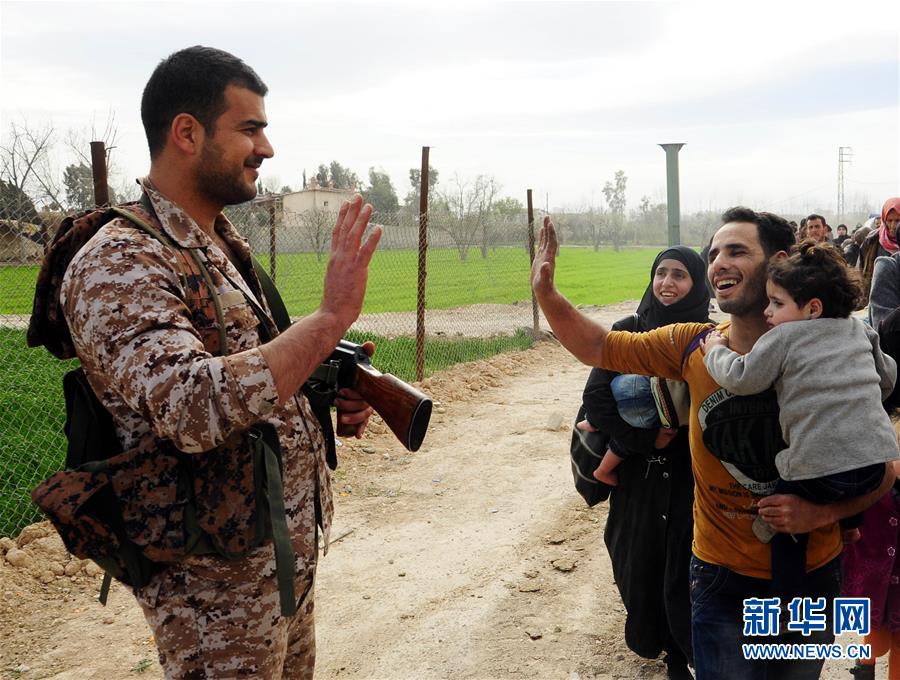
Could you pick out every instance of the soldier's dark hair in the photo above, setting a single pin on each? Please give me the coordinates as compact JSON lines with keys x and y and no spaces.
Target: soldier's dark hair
{"x":774,"y":232}
{"x":192,"y":80}
{"x":818,"y":270}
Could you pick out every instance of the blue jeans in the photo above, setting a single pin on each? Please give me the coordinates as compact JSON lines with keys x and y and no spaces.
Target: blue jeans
{"x":634,"y":401}
{"x":717,"y":625}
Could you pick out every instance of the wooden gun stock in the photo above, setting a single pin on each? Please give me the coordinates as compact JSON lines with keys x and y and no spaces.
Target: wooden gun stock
{"x":405,"y":409}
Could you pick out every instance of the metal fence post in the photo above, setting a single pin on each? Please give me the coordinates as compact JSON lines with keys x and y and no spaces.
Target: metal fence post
{"x":98,"y":170}
{"x":535,"y":321}
{"x":273,"y":249}
{"x":423,"y":250}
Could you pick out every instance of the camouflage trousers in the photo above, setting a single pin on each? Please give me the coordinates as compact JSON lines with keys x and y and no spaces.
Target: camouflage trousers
{"x":213,"y":618}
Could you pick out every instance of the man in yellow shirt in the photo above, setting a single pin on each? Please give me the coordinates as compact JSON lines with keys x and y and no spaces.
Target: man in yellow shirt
{"x":734,"y":441}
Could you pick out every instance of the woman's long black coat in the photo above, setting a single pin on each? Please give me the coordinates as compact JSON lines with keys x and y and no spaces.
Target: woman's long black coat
{"x":649,"y":528}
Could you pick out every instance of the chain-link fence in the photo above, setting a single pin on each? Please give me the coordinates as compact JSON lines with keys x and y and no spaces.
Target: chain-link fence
{"x":476,"y":294}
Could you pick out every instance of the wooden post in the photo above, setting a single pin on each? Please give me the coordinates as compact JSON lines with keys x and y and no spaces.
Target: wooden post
{"x":535,"y":320}
{"x":99,"y":172}
{"x":423,"y":251}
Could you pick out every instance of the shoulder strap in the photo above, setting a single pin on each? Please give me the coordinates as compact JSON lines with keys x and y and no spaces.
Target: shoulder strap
{"x":273,"y":297}
{"x":695,"y":344}
{"x":191,"y":264}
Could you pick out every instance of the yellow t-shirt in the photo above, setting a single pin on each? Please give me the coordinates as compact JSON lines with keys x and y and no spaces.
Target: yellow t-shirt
{"x":733,"y":445}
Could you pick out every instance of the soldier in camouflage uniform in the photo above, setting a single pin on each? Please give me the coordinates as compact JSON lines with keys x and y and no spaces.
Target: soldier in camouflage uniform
{"x":148,"y":358}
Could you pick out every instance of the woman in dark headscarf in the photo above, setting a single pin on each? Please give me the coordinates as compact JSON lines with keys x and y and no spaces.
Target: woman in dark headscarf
{"x":649,"y":528}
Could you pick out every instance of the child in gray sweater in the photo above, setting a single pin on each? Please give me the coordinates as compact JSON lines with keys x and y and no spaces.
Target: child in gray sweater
{"x":820,"y":361}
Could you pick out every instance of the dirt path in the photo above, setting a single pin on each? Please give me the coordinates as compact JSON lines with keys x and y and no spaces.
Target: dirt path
{"x":472,"y":558}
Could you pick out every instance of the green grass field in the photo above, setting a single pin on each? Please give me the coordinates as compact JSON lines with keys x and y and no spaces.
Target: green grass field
{"x":584,"y":276}
{"x":32,"y":412}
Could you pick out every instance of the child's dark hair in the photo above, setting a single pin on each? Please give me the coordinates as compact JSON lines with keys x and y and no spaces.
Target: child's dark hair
{"x":817,"y":270}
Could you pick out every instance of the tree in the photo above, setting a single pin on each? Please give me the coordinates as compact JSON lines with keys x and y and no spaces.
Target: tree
{"x":338,"y":175}
{"x":615,"y":198}
{"x":79,"y":182}
{"x":411,"y":202}
{"x":25,"y":162}
{"x":466,"y":209}
{"x":595,"y":220}
{"x":487,"y":188}
{"x":650,"y":221}
{"x":322,"y":176}
{"x":381,"y":193}
{"x":271,"y":184}
{"x":509,"y":207}
{"x":316,"y":227}
{"x":16,"y":205}
{"x":286,"y":189}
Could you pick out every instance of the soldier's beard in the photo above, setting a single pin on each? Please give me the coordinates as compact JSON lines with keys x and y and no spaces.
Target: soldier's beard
{"x":754,"y":299}
{"x":219,"y":183}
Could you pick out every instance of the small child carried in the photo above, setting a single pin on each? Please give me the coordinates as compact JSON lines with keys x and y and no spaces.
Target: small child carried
{"x":821,"y":361}
{"x":648,"y":403}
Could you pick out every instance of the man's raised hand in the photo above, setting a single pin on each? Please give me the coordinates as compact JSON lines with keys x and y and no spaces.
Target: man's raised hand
{"x":544,"y":266}
{"x":348,"y":263}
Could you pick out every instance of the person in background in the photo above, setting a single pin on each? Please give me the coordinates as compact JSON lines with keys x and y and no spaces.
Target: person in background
{"x":842,"y":235}
{"x":816,"y":229}
{"x":872,"y":569}
{"x":853,"y":244}
{"x":881,"y":242}
{"x":884,"y":293}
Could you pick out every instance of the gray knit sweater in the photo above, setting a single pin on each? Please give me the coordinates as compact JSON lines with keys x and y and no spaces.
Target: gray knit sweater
{"x":819,"y":367}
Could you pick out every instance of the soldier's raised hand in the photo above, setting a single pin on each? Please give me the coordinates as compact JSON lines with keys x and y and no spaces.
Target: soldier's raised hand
{"x":348,"y":263}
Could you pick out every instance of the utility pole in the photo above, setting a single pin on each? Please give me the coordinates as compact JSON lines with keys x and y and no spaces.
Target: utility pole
{"x":673,"y":197}
{"x":845,"y":156}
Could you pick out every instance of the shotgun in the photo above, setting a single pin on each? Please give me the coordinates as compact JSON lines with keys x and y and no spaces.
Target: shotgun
{"x":405,"y":409}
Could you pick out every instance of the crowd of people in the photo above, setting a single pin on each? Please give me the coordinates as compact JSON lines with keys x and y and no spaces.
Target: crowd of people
{"x":775,"y":490}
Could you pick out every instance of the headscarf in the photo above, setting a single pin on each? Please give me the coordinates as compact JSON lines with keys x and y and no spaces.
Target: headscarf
{"x":888,"y":241}
{"x":692,"y":307}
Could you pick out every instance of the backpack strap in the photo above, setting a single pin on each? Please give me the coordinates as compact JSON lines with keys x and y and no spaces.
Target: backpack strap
{"x":321,"y":387}
{"x":193,"y":271}
{"x":273,"y":297}
{"x":695,"y":344}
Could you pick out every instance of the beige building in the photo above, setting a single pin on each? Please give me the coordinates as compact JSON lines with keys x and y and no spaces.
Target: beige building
{"x":328,"y":199}
{"x":287,"y":208}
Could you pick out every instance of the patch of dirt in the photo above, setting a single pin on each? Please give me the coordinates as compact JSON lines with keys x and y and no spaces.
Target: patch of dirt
{"x":473,"y":557}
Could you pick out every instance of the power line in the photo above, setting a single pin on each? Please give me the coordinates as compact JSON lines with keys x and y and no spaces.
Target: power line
{"x":845,"y":156}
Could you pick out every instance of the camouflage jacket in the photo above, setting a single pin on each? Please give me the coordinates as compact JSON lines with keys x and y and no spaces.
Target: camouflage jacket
{"x":148,"y":355}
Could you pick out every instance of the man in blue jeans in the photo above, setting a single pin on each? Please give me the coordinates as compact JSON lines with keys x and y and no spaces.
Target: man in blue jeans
{"x":733,"y":445}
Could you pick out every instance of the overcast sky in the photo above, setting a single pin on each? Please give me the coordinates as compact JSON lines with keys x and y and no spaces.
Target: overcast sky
{"x":550,"y":96}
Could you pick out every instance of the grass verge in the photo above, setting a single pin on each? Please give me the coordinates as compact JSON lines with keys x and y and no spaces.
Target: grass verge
{"x":584,"y":276}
